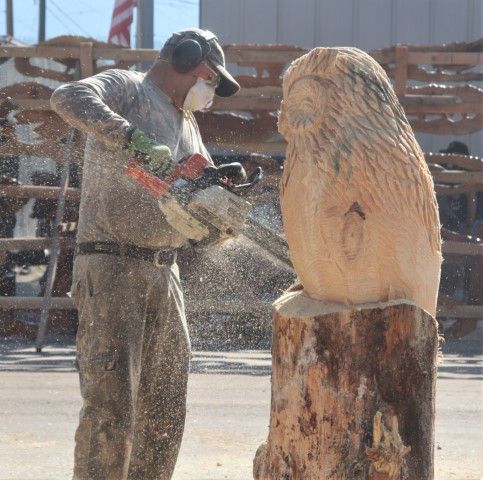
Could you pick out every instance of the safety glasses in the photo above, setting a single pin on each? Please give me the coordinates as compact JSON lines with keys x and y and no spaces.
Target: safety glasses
{"x":215,"y":78}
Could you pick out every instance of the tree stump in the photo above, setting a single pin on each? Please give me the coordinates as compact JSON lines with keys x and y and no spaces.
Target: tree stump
{"x":353,"y":392}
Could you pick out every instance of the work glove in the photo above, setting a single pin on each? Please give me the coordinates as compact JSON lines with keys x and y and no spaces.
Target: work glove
{"x":157,"y":158}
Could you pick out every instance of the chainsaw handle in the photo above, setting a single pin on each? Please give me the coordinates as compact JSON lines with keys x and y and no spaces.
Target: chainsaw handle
{"x":252,"y":180}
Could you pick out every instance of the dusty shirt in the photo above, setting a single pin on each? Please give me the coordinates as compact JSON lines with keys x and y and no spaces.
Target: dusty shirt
{"x":113,"y":207}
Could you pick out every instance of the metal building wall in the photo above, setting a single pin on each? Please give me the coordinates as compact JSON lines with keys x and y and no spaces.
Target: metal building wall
{"x":366,"y":24}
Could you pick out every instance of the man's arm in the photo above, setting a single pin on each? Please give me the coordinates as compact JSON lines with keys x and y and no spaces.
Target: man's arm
{"x":86,"y":105}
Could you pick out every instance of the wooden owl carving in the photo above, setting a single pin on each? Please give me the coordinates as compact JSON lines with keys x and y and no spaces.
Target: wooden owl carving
{"x":358,"y":201}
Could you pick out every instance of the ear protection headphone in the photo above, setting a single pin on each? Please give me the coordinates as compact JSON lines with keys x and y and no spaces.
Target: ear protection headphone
{"x":190,"y":51}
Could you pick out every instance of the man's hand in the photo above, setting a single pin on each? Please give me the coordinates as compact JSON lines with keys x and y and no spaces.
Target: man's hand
{"x":157,"y":158}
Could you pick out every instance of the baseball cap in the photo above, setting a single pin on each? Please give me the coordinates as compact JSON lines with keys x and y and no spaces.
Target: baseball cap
{"x":212,"y":51}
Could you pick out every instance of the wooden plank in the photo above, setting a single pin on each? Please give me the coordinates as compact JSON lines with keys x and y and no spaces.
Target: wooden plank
{"x":383,"y":57}
{"x":452,"y":247}
{"x":41,"y":51}
{"x":8,"y":244}
{"x":238,"y":54}
{"x":261,"y":91}
{"x":35,"y":303}
{"x":401,"y":73}
{"x":461,"y":311}
{"x":421,"y":75}
{"x":408,"y":100}
{"x":86,"y":59}
{"x":240,"y":103}
{"x":445,"y":58}
{"x":467,"y":93}
{"x":463,"y":107}
{"x":32,"y":191}
{"x":458,"y":176}
{"x":263,"y":56}
{"x":457,"y":189}
{"x":444,"y":126}
{"x":125,"y":54}
{"x":460,"y":161}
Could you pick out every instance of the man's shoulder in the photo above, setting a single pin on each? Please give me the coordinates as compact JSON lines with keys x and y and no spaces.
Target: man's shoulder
{"x":124,"y":75}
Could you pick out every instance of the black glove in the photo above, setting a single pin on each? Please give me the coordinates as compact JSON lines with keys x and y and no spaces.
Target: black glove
{"x":234,"y":172}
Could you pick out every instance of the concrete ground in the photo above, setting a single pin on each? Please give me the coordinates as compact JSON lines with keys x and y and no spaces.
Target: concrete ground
{"x":229,"y":395}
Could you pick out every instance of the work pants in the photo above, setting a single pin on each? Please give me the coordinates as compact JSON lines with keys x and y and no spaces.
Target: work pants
{"x":133,"y":354}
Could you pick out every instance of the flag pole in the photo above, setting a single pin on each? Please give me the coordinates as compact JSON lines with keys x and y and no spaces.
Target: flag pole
{"x":145,"y":24}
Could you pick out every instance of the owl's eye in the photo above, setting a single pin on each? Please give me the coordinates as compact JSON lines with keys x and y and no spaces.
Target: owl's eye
{"x":306,"y":102}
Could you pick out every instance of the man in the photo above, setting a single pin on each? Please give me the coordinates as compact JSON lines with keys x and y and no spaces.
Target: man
{"x":132,"y":344}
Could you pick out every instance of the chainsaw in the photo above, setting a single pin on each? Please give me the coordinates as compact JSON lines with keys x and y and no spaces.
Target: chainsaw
{"x":203,"y":202}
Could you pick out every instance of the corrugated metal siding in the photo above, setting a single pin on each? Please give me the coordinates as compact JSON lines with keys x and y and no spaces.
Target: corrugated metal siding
{"x":366,"y":24}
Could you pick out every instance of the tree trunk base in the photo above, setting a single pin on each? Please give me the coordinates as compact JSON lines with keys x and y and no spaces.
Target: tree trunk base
{"x":353,"y":392}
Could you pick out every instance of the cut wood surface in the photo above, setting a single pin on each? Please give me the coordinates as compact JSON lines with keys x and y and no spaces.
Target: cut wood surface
{"x":352,"y":392}
{"x":357,"y":198}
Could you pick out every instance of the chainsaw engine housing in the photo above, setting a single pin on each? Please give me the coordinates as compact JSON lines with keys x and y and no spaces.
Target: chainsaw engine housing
{"x":211,"y":215}
{"x":220,"y":209}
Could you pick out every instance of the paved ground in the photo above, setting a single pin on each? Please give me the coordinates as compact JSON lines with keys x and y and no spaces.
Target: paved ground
{"x":228,"y":414}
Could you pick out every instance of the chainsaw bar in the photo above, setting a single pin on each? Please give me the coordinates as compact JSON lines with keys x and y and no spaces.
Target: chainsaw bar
{"x":269,"y":241}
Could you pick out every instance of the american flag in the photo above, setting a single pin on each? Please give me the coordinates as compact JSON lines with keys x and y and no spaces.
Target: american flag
{"x":120,"y":32}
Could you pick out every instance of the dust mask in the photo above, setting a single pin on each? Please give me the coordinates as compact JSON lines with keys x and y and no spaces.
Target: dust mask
{"x":200,"y":96}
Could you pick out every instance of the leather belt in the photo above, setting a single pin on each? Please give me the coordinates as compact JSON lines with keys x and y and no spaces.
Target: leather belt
{"x":157,"y":257}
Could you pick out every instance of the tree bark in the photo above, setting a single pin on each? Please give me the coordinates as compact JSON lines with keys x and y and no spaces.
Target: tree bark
{"x":353,"y":391}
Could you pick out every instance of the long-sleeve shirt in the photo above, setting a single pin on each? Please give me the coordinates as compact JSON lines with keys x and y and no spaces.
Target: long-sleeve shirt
{"x":105,"y":106}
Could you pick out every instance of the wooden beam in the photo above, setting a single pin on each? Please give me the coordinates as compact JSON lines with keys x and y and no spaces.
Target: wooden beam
{"x":445,"y":126}
{"x":401,"y":74}
{"x":456,"y":189}
{"x":262,"y":56}
{"x":35,"y":303}
{"x":461,"y":161}
{"x":463,"y":107}
{"x":86,"y":59}
{"x":461,"y":311}
{"x":242,"y":103}
{"x":125,"y":54}
{"x":413,"y":100}
{"x":40,"y":51}
{"x":458,"y":176}
{"x":32,"y":191}
{"x":451,"y":247}
{"x":445,"y":58}
{"x":237,"y":53}
{"x":19,"y":243}
{"x":421,"y":75}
